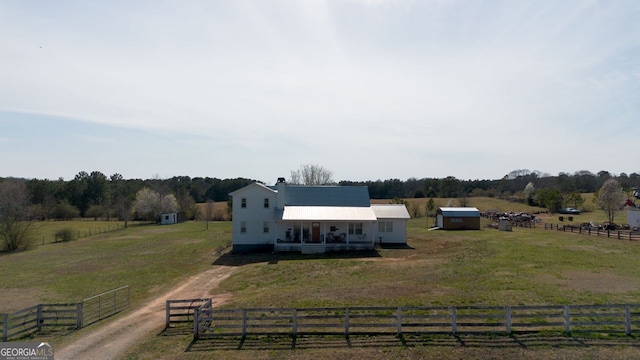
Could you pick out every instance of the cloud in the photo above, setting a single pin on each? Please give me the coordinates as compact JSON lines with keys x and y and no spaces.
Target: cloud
{"x":264,"y":77}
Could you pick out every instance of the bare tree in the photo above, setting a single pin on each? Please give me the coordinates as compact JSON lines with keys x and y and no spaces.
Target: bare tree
{"x":122,"y":208}
{"x":208,"y":213}
{"x":610,"y":196}
{"x":15,"y":220}
{"x":310,"y":174}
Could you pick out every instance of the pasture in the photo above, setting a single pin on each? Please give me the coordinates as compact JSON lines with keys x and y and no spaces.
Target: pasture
{"x":486,"y":267}
{"x":151,"y":259}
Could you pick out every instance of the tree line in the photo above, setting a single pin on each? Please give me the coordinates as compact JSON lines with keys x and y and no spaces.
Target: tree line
{"x":98,"y":195}
{"x":510,"y":186}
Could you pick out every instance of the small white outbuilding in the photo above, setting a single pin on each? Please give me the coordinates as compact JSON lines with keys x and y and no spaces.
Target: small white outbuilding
{"x":169,"y":218}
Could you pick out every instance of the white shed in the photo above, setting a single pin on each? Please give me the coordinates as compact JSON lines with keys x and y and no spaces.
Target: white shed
{"x":169,"y":218}
{"x":633,"y":217}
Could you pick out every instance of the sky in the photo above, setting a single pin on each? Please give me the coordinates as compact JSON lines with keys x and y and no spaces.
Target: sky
{"x":368,"y":89}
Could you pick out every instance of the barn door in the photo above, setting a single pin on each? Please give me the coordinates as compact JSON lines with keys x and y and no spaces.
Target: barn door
{"x":440,"y":221}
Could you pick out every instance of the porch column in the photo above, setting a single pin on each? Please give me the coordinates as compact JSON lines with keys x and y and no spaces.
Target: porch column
{"x":323,"y":235}
{"x":348,"y":225}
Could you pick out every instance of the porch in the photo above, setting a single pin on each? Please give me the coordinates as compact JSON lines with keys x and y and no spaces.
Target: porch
{"x":317,"y":237}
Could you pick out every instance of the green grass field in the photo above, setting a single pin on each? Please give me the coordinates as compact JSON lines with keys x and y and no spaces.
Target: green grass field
{"x":486,"y":267}
{"x":149,"y":259}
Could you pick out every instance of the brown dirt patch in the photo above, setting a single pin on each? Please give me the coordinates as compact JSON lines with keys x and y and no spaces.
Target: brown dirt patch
{"x":599,"y":283}
{"x":18,"y":299}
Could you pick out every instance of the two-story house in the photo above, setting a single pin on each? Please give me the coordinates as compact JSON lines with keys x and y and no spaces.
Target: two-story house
{"x":313,"y":219}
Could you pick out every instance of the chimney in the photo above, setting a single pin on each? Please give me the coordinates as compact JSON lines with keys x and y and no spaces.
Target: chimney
{"x":280,"y":187}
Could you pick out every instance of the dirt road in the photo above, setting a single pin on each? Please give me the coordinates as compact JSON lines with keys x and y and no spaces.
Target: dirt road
{"x":112,"y":340}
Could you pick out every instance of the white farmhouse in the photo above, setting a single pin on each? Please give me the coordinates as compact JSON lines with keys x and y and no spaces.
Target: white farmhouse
{"x":313,"y":219}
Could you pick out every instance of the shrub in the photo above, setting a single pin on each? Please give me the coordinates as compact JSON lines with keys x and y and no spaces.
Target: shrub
{"x":65,"y":234}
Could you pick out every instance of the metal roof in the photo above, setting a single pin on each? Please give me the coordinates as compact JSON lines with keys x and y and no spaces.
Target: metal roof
{"x":350,"y":196}
{"x":390,"y":211}
{"x":326,"y":213}
{"x":460,"y":211}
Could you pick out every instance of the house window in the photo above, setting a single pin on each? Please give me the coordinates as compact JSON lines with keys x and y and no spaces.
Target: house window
{"x":266,"y":203}
{"x":243,"y":203}
{"x":385,"y":226}
{"x":265,"y":227}
{"x":355,"y":229}
{"x":243,"y":227}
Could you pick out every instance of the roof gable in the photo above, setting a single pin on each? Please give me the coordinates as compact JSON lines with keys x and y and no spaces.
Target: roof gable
{"x":253,"y":186}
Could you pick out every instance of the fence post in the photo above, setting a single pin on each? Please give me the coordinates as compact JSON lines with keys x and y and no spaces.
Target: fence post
{"x":295,"y":323}
{"x":454,"y":320}
{"x":5,"y":327}
{"x":508,"y":320}
{"x":39,"y":318}
{"x":244,"y":323}
{"x":79,"y":312}
{"x":399,"y":320}
{"x":167,"y":322}
{"x":618,"y":234}
{"x":627,"y":319}
{"x":346,"y":322}
{"x":567,"y":319}
{"x":196,"y":327}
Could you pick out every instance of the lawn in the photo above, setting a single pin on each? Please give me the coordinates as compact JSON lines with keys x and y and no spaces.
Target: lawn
{"x":486,"y":267}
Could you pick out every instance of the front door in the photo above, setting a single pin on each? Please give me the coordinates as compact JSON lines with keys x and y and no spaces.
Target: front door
{"x":315,"y":232}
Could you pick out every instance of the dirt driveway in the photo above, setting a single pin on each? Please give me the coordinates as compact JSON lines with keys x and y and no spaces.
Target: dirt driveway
{"x":112,"y":340}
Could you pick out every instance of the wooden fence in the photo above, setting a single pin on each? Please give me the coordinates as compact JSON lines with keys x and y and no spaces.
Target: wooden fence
{"x":623,"y":319}
{"x":595,"y":231}
{"x":40,"y":317}
{"x":182,"y":311}
{"x":63,"y":316}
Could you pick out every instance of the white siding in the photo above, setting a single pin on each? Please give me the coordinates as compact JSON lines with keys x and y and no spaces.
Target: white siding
{"x":254,"y":215}
{"x":397,"y":215}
